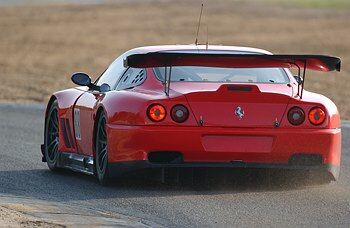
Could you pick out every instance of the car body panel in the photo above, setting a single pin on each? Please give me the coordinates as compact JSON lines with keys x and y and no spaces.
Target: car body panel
{"x":223,"y":137}
{"x":86,"y":106}
{"x":66,"y":100}
{"x":257,"y":108}
{"x":205,"y":144}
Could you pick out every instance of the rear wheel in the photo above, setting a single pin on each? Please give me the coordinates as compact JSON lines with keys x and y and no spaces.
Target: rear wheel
{"x":52,"y":137}
{"x":101,"y":148}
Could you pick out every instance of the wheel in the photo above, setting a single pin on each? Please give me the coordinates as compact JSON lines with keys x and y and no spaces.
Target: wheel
{"x":51,"y":140}
{"x":101,"y":149}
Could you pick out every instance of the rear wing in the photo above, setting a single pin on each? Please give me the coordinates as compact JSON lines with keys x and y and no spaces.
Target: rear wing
{"x":164,"y":59}
{"x":170,"y":59}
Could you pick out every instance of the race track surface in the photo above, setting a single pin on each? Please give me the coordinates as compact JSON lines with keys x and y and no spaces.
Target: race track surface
{"x":250,"y":202}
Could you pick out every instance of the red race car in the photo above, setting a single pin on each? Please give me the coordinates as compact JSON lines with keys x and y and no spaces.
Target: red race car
{"x":195,"y":106}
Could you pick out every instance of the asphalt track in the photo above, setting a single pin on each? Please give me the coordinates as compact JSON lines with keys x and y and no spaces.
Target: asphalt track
{"x":251,"y":202}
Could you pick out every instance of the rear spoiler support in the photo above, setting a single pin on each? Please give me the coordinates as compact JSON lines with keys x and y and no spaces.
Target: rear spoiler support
{"x":167,"y":80}
{"x":302,"y":84}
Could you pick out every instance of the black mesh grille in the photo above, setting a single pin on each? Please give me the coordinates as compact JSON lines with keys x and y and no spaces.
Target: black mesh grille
{"x":165,"y":157}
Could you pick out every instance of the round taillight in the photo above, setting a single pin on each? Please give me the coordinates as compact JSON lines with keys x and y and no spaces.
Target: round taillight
{"x":179,"y":113}
{"x":317,"y":116}
{"x":296,"y":116}
{"x":156,"y":112}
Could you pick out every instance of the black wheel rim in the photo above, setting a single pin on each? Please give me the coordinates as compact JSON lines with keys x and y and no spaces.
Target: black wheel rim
{"x":52,"y":136}
{"x":101,"y":152}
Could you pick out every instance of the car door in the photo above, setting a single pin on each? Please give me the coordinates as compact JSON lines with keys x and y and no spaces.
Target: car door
{"x":86,"y":106}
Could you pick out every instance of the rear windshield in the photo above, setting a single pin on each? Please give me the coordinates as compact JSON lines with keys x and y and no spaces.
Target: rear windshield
{"x":216,"y":74}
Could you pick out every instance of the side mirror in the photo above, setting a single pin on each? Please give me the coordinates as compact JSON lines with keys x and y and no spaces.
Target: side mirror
{"x":298,"y":79}
{"x":81,"y":79}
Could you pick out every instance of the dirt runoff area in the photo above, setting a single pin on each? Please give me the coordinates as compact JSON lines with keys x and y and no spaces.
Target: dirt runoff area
{"x":26,"y":212}
{"x":42,"y":45}
{"x":9,"y":217}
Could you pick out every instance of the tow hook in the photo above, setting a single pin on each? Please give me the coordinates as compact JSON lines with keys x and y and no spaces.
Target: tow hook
{"x":276,"y":124}
{"x":201,"y":121}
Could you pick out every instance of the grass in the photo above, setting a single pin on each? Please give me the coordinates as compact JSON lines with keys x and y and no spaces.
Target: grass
{"x":326,"y":4}
{"x":40,"y":46}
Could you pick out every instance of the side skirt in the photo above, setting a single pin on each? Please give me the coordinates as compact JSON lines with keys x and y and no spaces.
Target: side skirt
{"x":77,"y":162}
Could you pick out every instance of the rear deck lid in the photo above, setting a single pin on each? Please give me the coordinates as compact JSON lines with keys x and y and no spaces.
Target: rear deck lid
{"x":240,"y":105}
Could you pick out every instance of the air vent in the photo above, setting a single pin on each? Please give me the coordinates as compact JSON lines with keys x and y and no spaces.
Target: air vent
{"x":126,"y":78}
{"x":163,"y":157}
{"x":240,"y":88}
{"x":139,"y":77}
{"x":132,"y":78}
{"x":67,"y":135}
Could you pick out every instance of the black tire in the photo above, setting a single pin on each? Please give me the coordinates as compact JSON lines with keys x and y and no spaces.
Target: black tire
{"x":51,"y":138}
{"x":101,"y":149}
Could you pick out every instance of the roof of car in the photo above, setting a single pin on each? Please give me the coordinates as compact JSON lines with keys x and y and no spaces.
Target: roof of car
{"x":196,"y":48}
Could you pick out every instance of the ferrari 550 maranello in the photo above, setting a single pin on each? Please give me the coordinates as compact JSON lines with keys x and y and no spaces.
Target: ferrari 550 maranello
{"x":195,"y":106}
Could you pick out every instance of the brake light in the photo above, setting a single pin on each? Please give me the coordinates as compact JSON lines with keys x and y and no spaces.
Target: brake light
{"x":179,"y":113}
{"x":296,"y":116}
{"x":156,"y":112}
{"x":317,"y":116}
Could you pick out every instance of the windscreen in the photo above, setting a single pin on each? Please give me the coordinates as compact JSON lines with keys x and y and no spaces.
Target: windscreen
{"x":216,"y":74}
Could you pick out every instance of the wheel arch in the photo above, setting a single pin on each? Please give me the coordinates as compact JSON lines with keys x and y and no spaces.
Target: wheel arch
{"x":52,"y":99}
{"x":49,"y":104}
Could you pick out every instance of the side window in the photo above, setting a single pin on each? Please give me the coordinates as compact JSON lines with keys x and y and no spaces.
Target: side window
{"x":113,"y":73}
{"x":133,"y":77}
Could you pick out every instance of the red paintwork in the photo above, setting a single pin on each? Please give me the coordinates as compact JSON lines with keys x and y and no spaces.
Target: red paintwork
{"x":239,"y":61}
{"x":66,"y":100}
{"x":134,"y":142}
{"x":131,"y":135}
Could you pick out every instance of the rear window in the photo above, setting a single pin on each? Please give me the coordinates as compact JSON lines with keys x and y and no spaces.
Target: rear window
{"x":216,"y":74}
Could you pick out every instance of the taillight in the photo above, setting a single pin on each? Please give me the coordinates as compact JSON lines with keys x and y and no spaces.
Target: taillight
{"x":156,"y":112}
{"x":179,"y":113}
{"x":317,"y":116}
{"x":296,"y":116}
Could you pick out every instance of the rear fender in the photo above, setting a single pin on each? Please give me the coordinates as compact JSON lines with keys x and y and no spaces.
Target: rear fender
{"x":130,"y":107}
{"x":309,"y":101}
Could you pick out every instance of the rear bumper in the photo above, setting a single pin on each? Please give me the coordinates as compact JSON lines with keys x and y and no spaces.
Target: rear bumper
{"x":229,"y":147}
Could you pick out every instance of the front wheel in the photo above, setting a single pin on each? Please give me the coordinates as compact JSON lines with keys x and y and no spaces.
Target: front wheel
{"x":101,"y":148}
{"x":52,"y":137}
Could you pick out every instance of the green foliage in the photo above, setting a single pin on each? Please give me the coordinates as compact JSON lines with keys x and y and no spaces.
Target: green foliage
{"x":335,"y":4}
